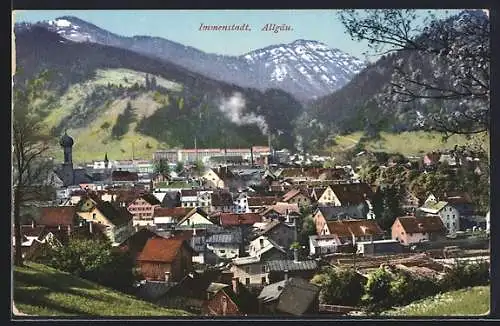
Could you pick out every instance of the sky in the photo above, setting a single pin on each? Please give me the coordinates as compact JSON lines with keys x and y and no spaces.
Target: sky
{"x":182,"y":26}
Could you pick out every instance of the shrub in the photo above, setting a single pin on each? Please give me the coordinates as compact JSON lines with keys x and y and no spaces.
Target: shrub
{"x":464,"y":274}
{"x":340,"y":286}
{"x":378,"y":291}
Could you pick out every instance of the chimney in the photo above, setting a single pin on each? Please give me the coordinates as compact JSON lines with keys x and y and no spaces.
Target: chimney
{"x":69,"y":230}
{"x":295,"y":255}
{"x":235,"y":282}
{"x":251,"y":155}
{"x":194,"y":231}
{"x":91,"y":227}
{"x":59,"y":227}
{"x":33,"y":224}
{"x":167,"y":277}
{"x":286,"y":274}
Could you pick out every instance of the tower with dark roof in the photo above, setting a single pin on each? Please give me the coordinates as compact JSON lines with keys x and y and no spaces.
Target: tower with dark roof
{"x":68,"y":175}
{"x":106,"y":161}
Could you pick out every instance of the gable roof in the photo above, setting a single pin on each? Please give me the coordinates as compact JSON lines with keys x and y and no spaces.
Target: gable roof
{"x":224,"y":173}
{"x":175,"y":212}
{"x":262,"y":200}
{"x":116,"y":215}
{"x":332,"y":213}
{"x":282,"y":209}
{"x":271,"y":225}
{"x":245,"y":300}
{"x":194,"y":211}
{"x":161,"y":250}
{"x":124,"y":176}
{"x":433,"y":208}
{"x":458,"y":198}
{"x":232,"y":219}
{"x":136,"y":242}
{"x":29,"y":231}
{"x":55,"y":216}
{"x":352,"y":193}
{"x":295,"y":295}
{"x":292,"y":193}
{"x":412,"y":224}
{"x":150,"y":199}
{"x":357,"y":228}
{"x":291,"y":265}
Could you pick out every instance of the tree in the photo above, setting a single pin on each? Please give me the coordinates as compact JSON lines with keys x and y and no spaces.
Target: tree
{"x":340,"y":286}
{"x":123,"y":121}
{"x":387,"y":205}
{"x":458,"y":49}
{"x":29,"y":144}
{"x":161,"y":167}
{"x":198,"y":167}
{"x":147,"y":82}
{"x":179,"y":167}
{"x":153,"y":83}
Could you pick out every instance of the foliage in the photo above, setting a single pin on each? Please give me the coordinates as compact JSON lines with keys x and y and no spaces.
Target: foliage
{"x":457,"y":47}
{"x":94,"y":260}
{"x":465,"y":274}
{"x":179,"y":167}
{"x":123,"y":121}
{"x":295,"y":245}
{"x":340,"y":286}
{"x":406,"y":288}
{"x":377,"y":295}
{"x":198,"y":167}
{"x":161,"y":167}
{"x":44,"y":291}
{"x":387,"y":205}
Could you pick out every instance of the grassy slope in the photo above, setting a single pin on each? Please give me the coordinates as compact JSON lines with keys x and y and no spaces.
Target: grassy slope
{"x":93,"y":142}
{"x":407,"y":143}
{"x":465,"y":302}
{"x":44,"y":291}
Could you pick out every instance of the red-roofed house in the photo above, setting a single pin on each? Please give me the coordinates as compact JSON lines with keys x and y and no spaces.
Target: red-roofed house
{"x":352,"y":231}
{"x":56,"y":218}
{"x":165,"y":260}
{"x":297,"y":196}
{"x":411,"y":229}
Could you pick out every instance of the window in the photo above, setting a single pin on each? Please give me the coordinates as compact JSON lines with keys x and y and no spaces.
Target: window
{"x":263,"y":280}
{"x":222,"y":251}
{"x":263,"y":268}
{"x":247,"y":269}
{"x":93,"y":216}
{"x":247,"y":281}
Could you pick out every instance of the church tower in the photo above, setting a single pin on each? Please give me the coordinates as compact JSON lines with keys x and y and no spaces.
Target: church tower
{"x":68,"y":175}
{"x":106,"y":161}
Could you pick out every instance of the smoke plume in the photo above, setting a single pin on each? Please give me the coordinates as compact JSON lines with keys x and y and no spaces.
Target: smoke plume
{"x":233,"y":108}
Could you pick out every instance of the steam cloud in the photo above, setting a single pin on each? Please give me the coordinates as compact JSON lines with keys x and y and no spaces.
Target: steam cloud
{"x":233,"y":109}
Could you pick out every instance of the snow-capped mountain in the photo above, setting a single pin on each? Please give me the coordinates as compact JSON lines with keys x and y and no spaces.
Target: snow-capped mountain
{"x":306,"y":69}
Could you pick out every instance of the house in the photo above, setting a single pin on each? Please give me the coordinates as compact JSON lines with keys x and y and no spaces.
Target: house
{"x":258,"y":203}
{"x":167,"y":218}
{"x":241,"y":203}
{"x":324,"y":214}
{"x":222,"y":201}
{"x":297,"y":196}
{"x":117,"y":220}
{"x":325,"y":196}
{"x":204,"y":199}
{"x":58,"y":218}
{"x":189,"y":198}
{"x":135,"y":243}
{"x":348,"y":194}
{"x":282,"y":269}
{"x":281,"y":233}
{"x":292,"y":296}
{"x":411,"y":229}
{"x":168,"y":199}
{"x":448,"y":214}
{"x":322,"y":244}
{"x":353,"y":231}
{"x":379,"y":247}
{"x":283,"y":211}
{"x":461,"y":201}
{"x":166,"y":260}
{"x":196,"y":218}
{"x":32,"y":236}
{"x":230,"y":300}
{"x":220,"y":177}
{"x":252,"y":269}
{"x":142,"y":209}
{"x":225,"y":245}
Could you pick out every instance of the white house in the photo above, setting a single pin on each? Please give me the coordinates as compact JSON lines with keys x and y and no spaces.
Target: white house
{"x":449,"y":215}
{"x":241,"y":203}
{"x":189,"y":198}
{"x":322,"y":244}
{"x":224,"y":245}
{"x":195,"y":218}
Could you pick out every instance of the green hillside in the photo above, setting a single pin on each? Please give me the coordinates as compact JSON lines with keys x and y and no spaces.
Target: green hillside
{"x":407,"y":143}
{"x":466,"y":302}
{"x":44,"y":291}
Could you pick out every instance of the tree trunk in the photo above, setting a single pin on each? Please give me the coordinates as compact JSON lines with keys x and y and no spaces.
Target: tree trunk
{"x":18,"y":258}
